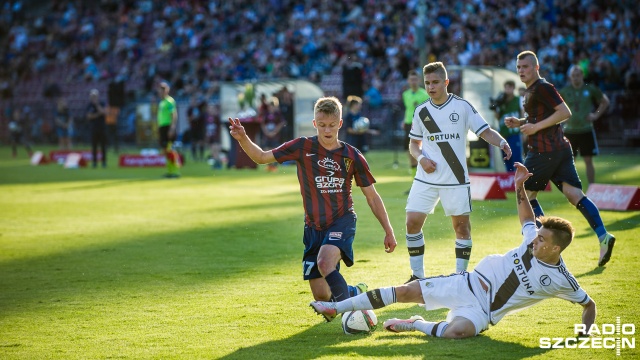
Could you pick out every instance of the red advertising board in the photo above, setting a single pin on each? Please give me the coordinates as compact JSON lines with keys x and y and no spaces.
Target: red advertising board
{"x":615,"y":197}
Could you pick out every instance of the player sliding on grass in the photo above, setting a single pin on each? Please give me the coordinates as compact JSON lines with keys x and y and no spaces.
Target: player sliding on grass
{"x":326,"y":167}
{"x":498,"y":285}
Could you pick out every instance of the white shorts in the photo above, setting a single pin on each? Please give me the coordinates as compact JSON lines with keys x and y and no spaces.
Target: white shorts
{"x":452,"y":292}
{"x":423,"y":198}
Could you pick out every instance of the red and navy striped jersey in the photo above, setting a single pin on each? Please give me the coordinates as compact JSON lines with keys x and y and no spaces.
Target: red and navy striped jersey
{"x":325,"y":177}
{"x":540,"y":99}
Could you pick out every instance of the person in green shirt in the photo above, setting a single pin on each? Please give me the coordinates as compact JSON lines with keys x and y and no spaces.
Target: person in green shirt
{"x":582,"y":99}
{"x":411,"y":98}
{"x":508,"y":104}
{"x":167,"y":122}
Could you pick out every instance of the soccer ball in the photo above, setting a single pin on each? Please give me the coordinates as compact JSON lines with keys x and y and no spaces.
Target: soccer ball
{"x":359,"y":322}
{"x":361,"y":124}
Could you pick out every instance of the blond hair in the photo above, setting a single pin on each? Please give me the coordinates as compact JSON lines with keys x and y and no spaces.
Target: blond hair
{"x":526,"y":53}
{"x":329,"y":105}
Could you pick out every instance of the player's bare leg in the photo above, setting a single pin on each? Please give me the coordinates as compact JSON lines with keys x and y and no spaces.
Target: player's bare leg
{"x":320,"y":289}
{"x":591,"y":170}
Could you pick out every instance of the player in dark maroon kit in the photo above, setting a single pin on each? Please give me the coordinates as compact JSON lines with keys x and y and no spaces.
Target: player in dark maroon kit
{"x":326,"y":167}
{"x":550,"y":156}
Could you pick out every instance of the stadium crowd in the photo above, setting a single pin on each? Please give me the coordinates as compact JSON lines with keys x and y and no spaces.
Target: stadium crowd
{"x":195,"y":45}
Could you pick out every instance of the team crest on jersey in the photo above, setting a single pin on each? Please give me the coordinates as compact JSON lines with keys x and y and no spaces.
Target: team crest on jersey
{"x":329,"y":164}
{"x":454,"y":117}
{"x":347,"y":163}
{"x":545,"y":280}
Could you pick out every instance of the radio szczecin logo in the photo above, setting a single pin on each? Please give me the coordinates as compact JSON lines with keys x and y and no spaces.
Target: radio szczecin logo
{"x":604,"y":336}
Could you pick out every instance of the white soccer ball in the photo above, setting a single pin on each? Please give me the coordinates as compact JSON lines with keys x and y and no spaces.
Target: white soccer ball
{"x":361,"y":124}
{"x":359,"y":322}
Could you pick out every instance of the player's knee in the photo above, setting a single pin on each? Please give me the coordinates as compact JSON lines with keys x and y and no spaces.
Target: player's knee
{"x":462,"y":229}
{"x":325,"y":266}
{"x":414,"y":225}
{"x":459,"y":329}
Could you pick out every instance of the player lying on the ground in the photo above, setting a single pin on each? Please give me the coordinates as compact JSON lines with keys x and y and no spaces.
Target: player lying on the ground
{"x":498,"y":285}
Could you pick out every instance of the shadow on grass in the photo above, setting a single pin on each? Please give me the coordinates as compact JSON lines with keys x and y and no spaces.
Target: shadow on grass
{"x":597,"y":271}
{"x":326,"y":340}
{"x":628,"y":223}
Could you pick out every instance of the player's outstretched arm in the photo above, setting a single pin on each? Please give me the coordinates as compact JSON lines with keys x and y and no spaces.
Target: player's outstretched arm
{"x":525,"y":212}
{"x":377,"y":207}
{"x":494,"y":138}
{"x":254,"y":151}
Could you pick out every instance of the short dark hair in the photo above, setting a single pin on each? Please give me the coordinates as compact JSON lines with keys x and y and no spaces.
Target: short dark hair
{"x":435,"y":67}
{"x":510,"y":83}
{"x":412,"y":73}
{"x":561,"y":229}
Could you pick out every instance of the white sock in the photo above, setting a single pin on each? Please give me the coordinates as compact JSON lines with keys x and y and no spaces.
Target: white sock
{"x":373,"y":299}
{"x":415,"y":246}
{"x":431,"y":328}
{"x":463,"y":253}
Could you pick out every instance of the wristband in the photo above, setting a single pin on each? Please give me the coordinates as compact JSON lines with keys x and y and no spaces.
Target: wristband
{"x":420,"y":158}
{"x":502,"y":143}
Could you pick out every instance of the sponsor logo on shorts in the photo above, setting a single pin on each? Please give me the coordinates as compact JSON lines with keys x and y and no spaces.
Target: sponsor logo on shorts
{"x":335,"y":236}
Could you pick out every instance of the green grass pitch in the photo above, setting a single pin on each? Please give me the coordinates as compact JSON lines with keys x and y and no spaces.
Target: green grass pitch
{"x":122,"y":264}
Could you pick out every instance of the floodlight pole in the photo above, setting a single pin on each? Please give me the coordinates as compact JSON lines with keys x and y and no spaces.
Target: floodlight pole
{"x":420,"y":40}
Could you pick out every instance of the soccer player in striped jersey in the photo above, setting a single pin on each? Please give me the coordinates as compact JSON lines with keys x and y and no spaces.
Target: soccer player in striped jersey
{"x":499,"y":284}
{"x":550,"y":156}
{"x":439,"y":143}
{"x":326,"y":168}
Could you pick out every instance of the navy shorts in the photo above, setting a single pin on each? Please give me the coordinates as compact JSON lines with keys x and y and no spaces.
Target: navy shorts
{"x":583,"y":143}
{"x":341,"y":234}
{"x":557,"y":166}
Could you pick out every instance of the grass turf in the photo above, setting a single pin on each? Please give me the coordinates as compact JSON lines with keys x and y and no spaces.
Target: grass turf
{"x":120,"y":263}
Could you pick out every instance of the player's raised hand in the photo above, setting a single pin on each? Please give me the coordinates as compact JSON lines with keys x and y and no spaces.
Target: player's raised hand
{"x":236,"y":129}
{"x":521,"y":175}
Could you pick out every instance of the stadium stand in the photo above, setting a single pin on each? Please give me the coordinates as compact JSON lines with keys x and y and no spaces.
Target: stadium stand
{"x":64,"y":48}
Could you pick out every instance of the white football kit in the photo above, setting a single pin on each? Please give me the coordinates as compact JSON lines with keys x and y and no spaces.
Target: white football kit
{"x":512,"y":282}
{"x":444,"y":139}
{"x":518,"y":280}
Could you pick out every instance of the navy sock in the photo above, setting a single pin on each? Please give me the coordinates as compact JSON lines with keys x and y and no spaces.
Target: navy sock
{"x":338,"y":286}
{"x":590,"y":212}
{"x":537,"y":210}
